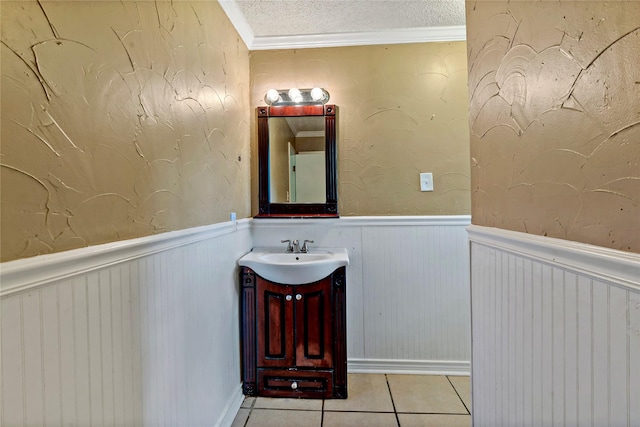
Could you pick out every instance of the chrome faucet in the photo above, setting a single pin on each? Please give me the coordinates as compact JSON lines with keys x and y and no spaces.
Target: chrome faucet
{"x":294,"y":246}
{"x":305,"y":248}
{"x":289,"y":246}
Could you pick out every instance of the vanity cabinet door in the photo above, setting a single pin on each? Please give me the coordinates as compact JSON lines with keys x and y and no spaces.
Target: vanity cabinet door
{"x":275,"y":324}
{"x":313,"y":324}
{"x":297,"y":316}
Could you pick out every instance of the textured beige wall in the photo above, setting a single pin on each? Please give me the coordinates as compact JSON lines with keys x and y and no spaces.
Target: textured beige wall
{"x":555,"y":119}
{"x":119,"y":120}
{"x":402,"y":111}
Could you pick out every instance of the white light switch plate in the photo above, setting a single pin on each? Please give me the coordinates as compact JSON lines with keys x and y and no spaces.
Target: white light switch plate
{"x":426,"y":181}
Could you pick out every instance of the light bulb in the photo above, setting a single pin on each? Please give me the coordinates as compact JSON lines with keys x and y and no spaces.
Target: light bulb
{"x":272,"y":96}
{"x":317,"y":94}
{"x":295,"y":95}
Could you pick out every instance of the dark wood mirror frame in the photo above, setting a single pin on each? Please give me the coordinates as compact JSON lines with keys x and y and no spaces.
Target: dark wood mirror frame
{"x":329,"y":209}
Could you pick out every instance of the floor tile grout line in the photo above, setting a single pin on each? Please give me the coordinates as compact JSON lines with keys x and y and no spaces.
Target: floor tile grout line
{"x":322,"y":414}
{"x":434,"y":413}
{"x":456,"y":390}
{"x":247,"y":420}
{"x":290,"y":409}
{"x":359,"y":411}
{"x":392,"y":402}
{"x":356,"y":411}
{"x":253,"y":402}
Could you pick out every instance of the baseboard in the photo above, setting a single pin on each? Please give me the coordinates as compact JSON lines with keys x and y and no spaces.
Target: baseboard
{"x":232,"y":408}
{"x":419,"y":367}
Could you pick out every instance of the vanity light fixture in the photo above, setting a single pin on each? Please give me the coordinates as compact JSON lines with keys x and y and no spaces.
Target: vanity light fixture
{"x":295,"y":96}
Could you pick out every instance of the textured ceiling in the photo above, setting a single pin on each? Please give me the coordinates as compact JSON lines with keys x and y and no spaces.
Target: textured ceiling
{"x":269,"y":18}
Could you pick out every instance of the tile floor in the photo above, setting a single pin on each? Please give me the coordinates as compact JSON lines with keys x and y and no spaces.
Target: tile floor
{"x":375,"y":400}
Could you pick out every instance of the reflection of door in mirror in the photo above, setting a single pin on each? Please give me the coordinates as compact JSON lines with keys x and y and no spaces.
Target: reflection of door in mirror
{"x":279,"y":137}
{"x":309,"y":172}
{"x":297,"y":160}
{"x":292,"y":174}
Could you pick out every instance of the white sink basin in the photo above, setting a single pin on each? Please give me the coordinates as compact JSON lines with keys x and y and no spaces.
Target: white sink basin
{"x":278,"y":266}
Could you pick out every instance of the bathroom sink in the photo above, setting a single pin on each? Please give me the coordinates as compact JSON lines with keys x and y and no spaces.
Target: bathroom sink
{"x":278,"y":266}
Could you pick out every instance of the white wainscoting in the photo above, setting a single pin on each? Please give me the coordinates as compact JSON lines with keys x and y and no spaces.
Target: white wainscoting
{"x":143,"y":332}
{"x":407,"y":288}
{"x":556,"y":332}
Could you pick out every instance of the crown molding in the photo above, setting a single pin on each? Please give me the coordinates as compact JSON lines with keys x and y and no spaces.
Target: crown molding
{"x":238,"y":21}
{"x":397,"y":36}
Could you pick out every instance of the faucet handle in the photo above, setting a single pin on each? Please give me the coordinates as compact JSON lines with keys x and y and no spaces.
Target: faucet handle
{"x":305,"y":247}
{"x":289,"y":246}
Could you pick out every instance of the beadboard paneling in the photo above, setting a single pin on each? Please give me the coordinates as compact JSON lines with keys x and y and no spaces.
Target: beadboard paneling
{"x":553,"y":344}
{"x":146,"y":334}
{"x":407,"y":287}
{"x":416,"y":292}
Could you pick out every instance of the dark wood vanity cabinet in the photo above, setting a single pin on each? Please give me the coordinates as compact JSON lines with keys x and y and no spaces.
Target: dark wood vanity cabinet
{"x":294,"y":337}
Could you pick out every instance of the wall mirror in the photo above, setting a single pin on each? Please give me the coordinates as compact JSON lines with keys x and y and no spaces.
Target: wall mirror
{"x":297,"y":161}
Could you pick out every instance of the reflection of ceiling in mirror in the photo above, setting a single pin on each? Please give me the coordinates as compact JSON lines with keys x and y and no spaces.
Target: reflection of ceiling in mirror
{"x":308,"y":126}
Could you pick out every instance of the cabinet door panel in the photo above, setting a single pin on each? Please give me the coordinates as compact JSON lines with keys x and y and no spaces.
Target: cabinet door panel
{"x":275,"y":324}
{"x":314,"y":324}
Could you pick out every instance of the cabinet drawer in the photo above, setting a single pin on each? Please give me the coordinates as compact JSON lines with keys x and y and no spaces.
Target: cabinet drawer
{"x":288,"y":383}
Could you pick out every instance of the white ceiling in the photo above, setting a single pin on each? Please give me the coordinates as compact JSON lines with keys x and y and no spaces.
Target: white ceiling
{"x":281,"y":24}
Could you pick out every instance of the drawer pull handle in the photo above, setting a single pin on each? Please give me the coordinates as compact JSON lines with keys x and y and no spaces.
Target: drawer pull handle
{"x":298,"y":297}
{"x":288,"y":298}
{"x":294,"y":385}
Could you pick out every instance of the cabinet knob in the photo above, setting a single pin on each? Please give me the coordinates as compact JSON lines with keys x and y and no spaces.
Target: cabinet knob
{"x":298,"y":297}
{"x":294,"y":385}
{"x":288,"y":297}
